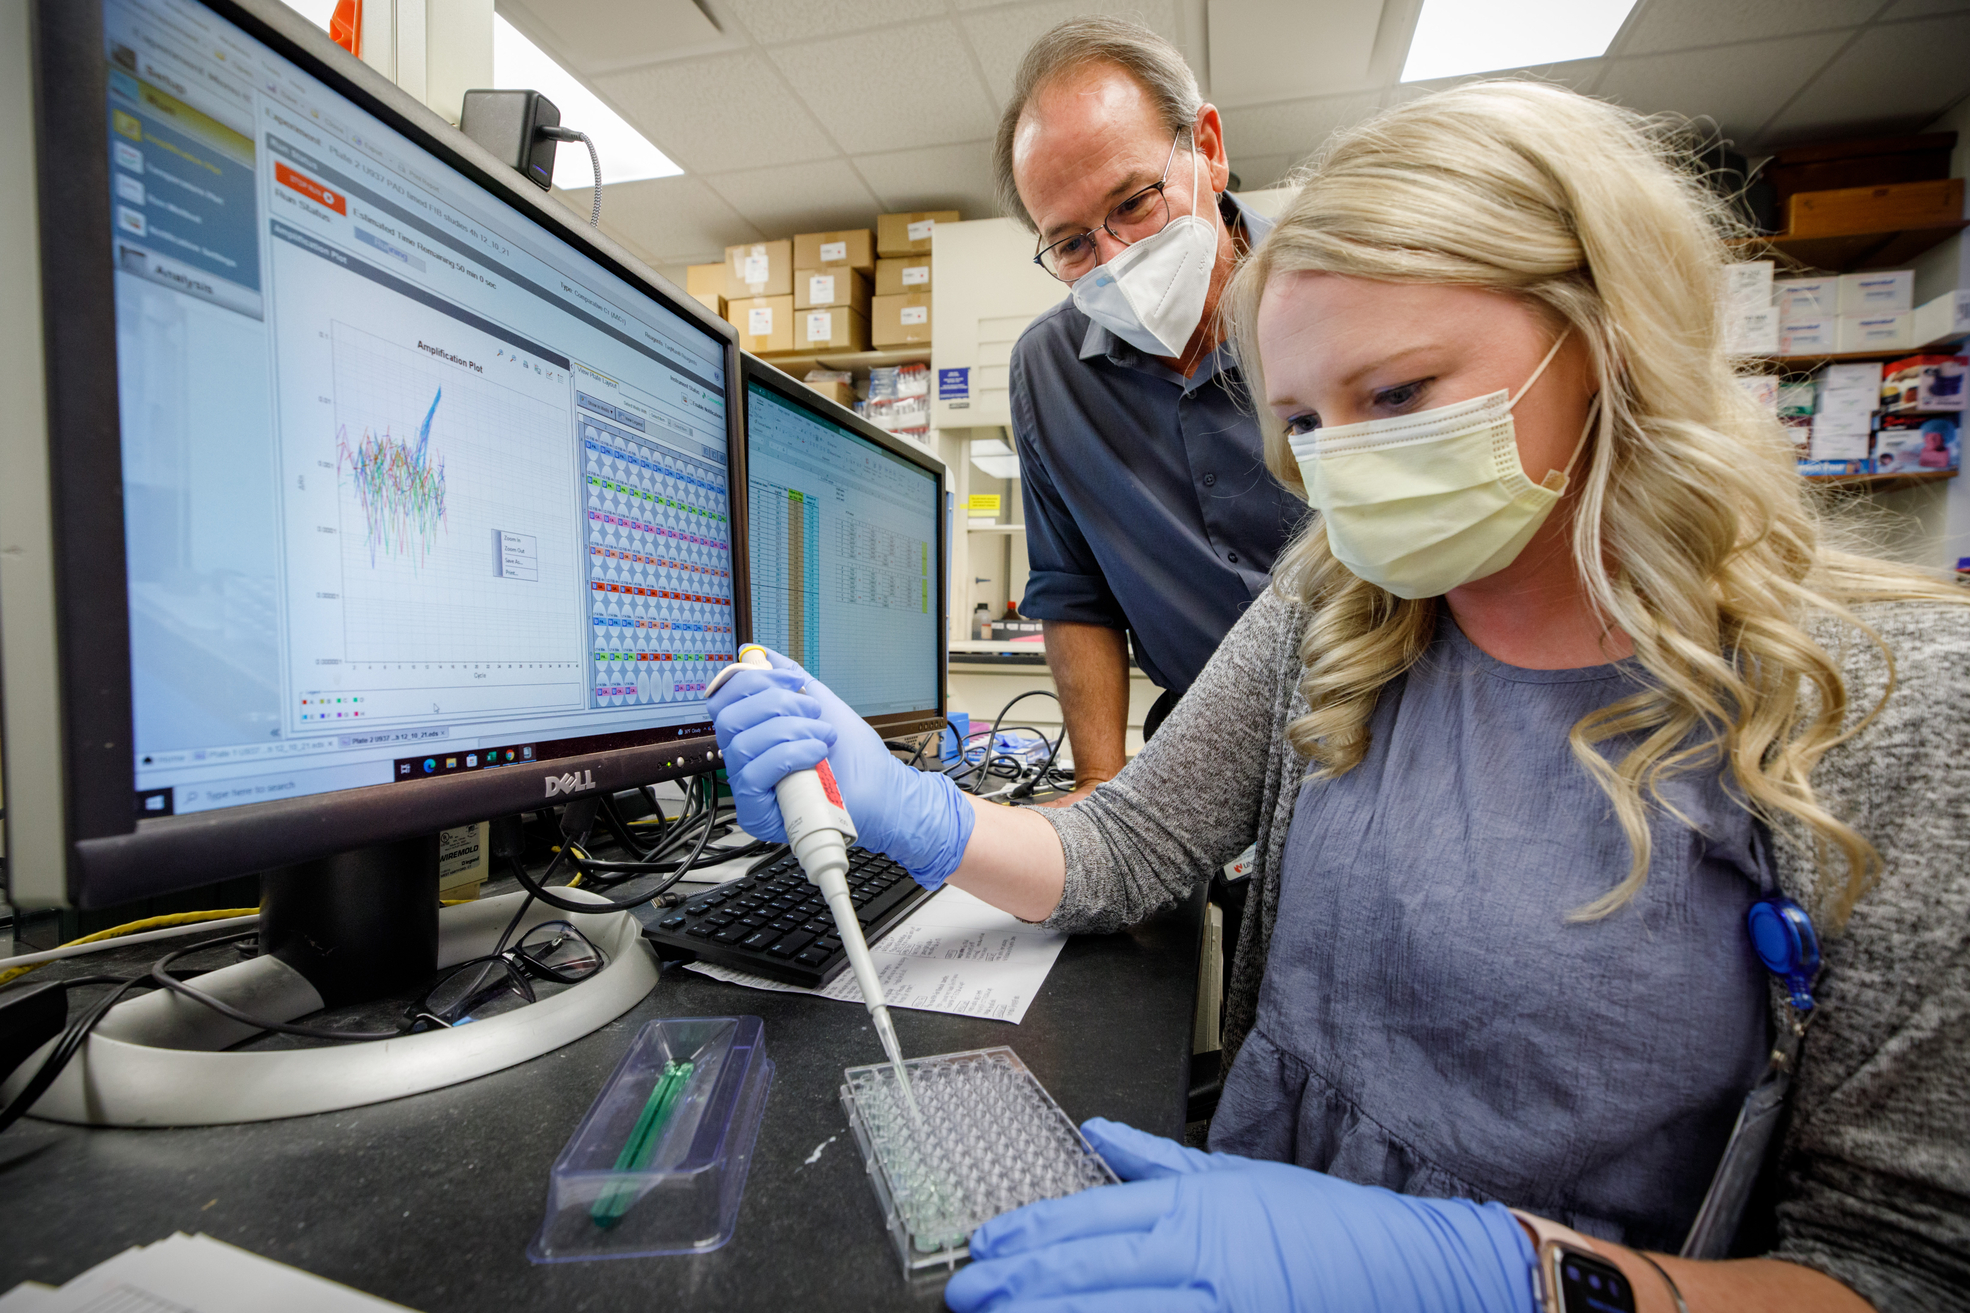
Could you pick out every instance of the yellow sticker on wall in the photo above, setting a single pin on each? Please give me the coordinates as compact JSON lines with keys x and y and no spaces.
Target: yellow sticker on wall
{"x":984,"y":503}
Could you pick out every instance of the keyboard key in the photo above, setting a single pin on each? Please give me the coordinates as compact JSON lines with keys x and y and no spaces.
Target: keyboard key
{"x":672,"y":922}
{"x":827,"y":943}
{"x":819,"y":925}
{"x":785,"y":923}
{"x":759,"y":939}
{"x":719,"y":920}
{"x":702,"y":930}
{"x":791,"y":944}
{"x":812,"y":957}
{"x":878,"y":907}
{"x":731,"y":934}
{"x":754,"y":919}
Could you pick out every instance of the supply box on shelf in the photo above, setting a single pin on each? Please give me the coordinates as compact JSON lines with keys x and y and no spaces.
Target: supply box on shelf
{"x":817,"y":289}
{"x":1925,"y":382}
{"x":1946,"y":316}
{"x":900,"y":320}
{"x":1850,"y":210}
{"x":833,"y":328}
{"x":851,"y":248}
{"x":903,"y":273}
{"x":1917,"y":444}
{"x":909,"y":234}
{"x":759,"y":269}
{"x":765,"y":323}
{"x":706,"y":285}
{"x":837,"y":386}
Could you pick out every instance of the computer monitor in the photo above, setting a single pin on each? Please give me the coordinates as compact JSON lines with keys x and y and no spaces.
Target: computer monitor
{"x":379,"y":494}
{"x":847,"y":557}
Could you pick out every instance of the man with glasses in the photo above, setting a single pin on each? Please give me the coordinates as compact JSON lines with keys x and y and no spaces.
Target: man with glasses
{"x":1149,"y":510}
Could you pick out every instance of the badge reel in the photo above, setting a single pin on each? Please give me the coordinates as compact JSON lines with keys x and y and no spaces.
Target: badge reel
{"x":1783,"y":937}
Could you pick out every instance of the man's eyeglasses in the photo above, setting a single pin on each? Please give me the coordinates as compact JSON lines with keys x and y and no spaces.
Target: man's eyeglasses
{"x":1141,"y":214}
{"x":552,"y":950}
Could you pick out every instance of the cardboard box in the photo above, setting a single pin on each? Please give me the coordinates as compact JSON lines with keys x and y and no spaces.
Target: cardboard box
{"x":1805,"y":298}
{"x":899,"y":320}
{"x":817,"y":289}
{"x":1810,"y":337}
{"x":1911,"y":444}
{"x":902,"y":273}
{"x":909,"y":234}
{"x":1877,"y":332}
{"x":1877,"y":292}
{"x":842,"y":394}
{"x":1925,"y":382}
{"x":1946,"y":316}
{"x":834,"y":328}
{"x":1855,"y":210}
{"x":853,"y":248}
{"x":765,"y":323}
{"x":759,"y":269}
{"x":706,"y":284}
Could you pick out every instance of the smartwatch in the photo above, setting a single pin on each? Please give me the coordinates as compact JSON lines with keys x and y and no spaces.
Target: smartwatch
{"x":1570,"y":1275}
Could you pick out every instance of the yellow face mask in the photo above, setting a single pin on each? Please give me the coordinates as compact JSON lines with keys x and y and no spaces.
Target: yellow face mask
{"x":1419,"y":504}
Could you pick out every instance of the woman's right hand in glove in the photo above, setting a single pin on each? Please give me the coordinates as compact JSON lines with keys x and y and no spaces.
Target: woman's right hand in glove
{"x":771,"y":723}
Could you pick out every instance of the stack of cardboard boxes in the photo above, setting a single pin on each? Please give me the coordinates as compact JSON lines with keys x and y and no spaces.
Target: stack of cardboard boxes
{"x":846,"y":291}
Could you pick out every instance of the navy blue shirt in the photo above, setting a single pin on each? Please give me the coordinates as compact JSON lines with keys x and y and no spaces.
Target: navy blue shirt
{"x":1148,"y":503}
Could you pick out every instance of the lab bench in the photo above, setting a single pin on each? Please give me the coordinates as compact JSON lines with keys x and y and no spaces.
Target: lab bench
{"x":430,"y":1201}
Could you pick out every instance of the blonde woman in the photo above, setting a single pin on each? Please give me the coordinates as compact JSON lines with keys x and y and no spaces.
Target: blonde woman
{"x":1565,"y":681}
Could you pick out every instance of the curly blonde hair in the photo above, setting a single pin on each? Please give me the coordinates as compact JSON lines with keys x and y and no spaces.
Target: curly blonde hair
{"x":1716,"y":552}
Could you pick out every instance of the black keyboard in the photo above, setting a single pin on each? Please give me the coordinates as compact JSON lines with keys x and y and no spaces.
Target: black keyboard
{"x":774,"y":923}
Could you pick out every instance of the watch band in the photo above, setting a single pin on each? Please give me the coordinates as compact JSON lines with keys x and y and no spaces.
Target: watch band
{"x":1550,"y":1242}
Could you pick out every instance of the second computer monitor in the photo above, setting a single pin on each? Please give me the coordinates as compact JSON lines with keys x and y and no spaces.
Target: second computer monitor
{"x":846,"y":550}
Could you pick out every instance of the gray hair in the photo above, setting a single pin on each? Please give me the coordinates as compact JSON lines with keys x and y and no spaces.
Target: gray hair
{"x":1156,"y":65}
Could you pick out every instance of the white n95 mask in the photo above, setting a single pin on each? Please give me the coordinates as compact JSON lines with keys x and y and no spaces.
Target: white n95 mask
{"x":1420,"y":504}
{"x":1151,"y":295}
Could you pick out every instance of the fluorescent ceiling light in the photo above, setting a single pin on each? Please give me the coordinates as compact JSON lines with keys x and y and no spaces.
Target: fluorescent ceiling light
{"x":317,"y":12}
{"x":1454,"y":37}
{"x":627,"y":154}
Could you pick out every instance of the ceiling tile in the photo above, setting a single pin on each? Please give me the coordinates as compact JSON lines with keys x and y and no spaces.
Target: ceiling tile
{"x":1002,"y":36}
{"x":934,"y":178}
{"x":724,"y":112}
{"x":592,"y":33}
{"x":917,"y":87}
{"x":672,"y":220}
{"x":1741,"y":86}
{"x":774,"y":21}
{"x":1893,"y":78}
{"x":1695,"y":24}
{"x":799,"y":197}
{"x":1293,"y":128}
{"x":1259,"y":172}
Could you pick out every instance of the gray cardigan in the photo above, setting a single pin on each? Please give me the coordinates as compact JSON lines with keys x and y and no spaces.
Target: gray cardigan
{"x":1874,"y":1186}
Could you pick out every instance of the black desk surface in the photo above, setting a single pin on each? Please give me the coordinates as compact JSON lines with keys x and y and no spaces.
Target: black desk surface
{"x":430,"y":1201}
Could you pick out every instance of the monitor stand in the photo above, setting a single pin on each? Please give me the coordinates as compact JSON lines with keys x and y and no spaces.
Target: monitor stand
{"x":356,"y":926}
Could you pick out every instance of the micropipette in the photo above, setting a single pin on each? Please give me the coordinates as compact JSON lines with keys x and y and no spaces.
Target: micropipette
{"x":819,"y":829}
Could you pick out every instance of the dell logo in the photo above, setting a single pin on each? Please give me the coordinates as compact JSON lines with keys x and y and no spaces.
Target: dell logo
{"x":569,"y":783}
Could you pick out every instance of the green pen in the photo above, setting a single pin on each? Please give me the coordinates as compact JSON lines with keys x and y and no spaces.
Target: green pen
{"x":643,"y":1137}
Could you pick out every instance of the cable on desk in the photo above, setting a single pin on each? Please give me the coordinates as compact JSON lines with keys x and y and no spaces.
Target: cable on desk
{"x":71,"y":1040}
{"x":160,"y":975}
{"x":152,"y":927}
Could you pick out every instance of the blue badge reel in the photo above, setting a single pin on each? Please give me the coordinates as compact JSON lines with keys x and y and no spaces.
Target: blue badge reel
{"x":1783,"y":936}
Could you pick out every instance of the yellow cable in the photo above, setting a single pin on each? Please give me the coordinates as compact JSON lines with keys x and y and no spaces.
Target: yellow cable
{"x":136,"y":927}
{"x":160,"y":923}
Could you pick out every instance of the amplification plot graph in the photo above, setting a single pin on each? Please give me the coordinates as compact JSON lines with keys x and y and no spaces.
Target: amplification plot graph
{"x":435,"y":462}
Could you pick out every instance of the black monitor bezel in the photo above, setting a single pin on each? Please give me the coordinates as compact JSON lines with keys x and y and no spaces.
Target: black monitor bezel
{"x":796,"y":393}
{"x":113,"y":855}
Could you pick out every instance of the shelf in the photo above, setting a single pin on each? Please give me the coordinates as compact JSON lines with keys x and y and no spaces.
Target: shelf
{"x":1802,"y":363}
{"x":853,"y":362}
{"x":1873,"y":483}
{"x":1848,"y":252}
{"x":995,"y":528}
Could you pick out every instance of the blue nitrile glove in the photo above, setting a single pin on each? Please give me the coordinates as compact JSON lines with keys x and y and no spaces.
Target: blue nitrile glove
{"x":1194,"y":1231}
{"x":771,"y":723}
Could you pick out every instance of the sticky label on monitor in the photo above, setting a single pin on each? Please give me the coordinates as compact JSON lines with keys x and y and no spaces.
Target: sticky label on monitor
{"x":920,"y":230}
{"x":916,"y":275}
{"x":821,"y":326}
{"x":821,"y":288}
{"x":834,"y":252}
{"x":913,"y":314}
{"x":759,"y":321}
